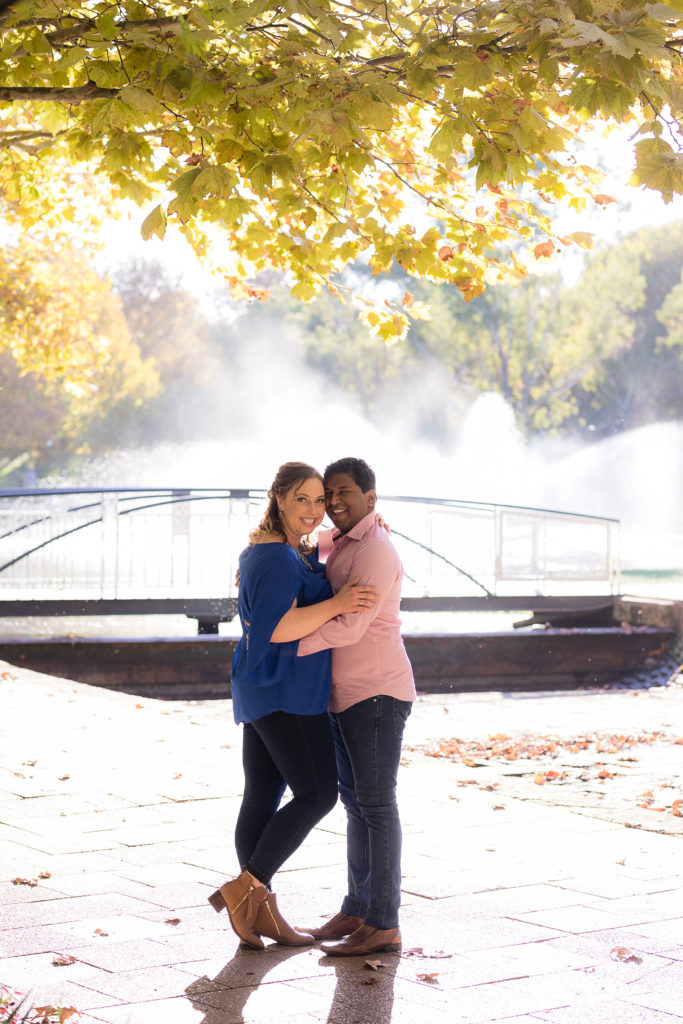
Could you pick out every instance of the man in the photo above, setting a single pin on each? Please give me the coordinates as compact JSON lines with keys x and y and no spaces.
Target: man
{"x":372,"y":695}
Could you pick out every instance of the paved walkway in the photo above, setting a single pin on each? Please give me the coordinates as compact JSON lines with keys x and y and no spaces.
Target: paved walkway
{"x":543,"y":862}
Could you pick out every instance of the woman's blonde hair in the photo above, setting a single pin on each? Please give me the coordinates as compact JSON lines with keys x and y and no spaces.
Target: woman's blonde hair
{"x":288,"y":476}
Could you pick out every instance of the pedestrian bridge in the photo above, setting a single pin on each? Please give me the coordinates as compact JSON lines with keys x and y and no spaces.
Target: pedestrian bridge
{"x":85,"y":551}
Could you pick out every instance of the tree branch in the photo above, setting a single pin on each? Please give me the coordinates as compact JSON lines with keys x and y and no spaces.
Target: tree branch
{"x":39,"y":93}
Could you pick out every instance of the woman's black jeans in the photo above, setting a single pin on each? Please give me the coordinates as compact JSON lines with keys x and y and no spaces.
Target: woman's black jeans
{"x":281,"y":750}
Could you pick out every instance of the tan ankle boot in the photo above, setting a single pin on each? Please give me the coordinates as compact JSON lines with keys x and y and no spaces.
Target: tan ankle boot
{"x":242,"y":898}
{"x":272,"y":924}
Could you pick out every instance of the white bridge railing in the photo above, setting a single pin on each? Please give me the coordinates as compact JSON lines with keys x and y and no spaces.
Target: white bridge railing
{"x":117,"y":543}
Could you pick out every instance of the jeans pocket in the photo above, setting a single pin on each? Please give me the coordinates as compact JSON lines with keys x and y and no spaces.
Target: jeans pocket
{"x":401,"y":709}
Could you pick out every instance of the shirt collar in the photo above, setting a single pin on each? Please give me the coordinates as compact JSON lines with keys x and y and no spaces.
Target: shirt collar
{"x":359,"y":530}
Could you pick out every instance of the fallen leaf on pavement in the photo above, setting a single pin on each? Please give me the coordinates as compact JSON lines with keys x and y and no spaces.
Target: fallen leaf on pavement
{"x":431,"y":978}
{"x":373,"y":980}
{"x":25,"y":881}
{"x":625,"y":955}
{"x":527,"y":747}
{"x":374,"y":965}
{"x":172,"y":920}
{"x":98,"y":931}
{"x":63,"y":960}
{"x":47,"y":1013}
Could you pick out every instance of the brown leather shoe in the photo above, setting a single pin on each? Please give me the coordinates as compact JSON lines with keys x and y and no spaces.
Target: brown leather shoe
{"x":337,"y":927}
{"x":365,"y":940}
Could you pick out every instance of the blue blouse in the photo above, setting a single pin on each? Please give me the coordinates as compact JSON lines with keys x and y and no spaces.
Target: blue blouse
{"x":269,"y":677}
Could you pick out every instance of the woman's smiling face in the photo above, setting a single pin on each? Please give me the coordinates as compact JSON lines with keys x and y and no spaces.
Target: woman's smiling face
{"x":302,"y":509}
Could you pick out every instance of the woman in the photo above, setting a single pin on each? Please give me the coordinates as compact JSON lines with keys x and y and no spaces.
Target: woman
{"x":282,"y":700}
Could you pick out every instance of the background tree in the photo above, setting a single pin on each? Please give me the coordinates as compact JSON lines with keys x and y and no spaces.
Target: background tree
{"x":535,"y":344}
{"x":335,"y":342}
{"x":67,"y":363}
{"x":312,"y":133}
{"x":642,"y":380}
{"x":171,"y":330}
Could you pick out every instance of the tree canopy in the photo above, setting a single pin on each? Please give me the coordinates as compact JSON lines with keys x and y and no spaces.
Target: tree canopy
{"x":306,"y":134}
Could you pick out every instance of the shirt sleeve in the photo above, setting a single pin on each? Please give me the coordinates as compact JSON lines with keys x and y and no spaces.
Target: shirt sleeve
{"x":325,"y":544}
{"x":377,"y":566}
{"x":272,"y":586}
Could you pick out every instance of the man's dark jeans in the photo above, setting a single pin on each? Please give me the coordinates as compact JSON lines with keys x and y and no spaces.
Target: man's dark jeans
{"x":367,"y":739}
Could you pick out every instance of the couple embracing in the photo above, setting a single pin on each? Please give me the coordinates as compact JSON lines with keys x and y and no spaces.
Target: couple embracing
{"x":323,"y":686}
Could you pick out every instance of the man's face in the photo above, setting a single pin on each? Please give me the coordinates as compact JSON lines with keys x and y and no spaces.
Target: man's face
{"x":345,"y":503}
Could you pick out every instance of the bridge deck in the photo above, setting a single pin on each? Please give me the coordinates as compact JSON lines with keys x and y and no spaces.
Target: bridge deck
{"x":225,"y":609}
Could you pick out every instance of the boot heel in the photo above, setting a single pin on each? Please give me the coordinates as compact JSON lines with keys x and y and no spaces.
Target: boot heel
{"x":216,"y":900}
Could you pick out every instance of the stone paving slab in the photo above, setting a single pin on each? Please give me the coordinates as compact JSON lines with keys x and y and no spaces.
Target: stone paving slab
{"x":522,"y":902}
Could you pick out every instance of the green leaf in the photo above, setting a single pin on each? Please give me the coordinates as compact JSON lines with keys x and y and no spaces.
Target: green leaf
{"x":141,"y":100}
{"x":204,"y":93}
{"x":212,"y":180}
{"x":658,"y":167}
{"x":177,"y":142}
{"x":37,"y":43}
{"x":154,"y":223}
{"x":446,"y":139}
{"x":376,"y":115}
{"x":107,"y":114}
{"x":421,"y":80}
{"x":645,"y":39}
{"x":593,"y":96}
{"x":335,"y":231}
{"x":471,"y":72}
{"x":182,"y":185}
{"x":304,"y":290}
{"x":106,"y":23}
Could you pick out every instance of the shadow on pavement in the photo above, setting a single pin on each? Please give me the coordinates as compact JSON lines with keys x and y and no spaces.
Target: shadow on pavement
{"x":360,"y":993}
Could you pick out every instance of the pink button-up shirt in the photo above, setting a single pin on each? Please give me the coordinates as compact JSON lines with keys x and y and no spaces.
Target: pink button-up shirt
{"x":368,"y":656}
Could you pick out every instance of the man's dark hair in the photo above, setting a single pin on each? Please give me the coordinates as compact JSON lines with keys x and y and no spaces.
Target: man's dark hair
{"x":362,"y":475}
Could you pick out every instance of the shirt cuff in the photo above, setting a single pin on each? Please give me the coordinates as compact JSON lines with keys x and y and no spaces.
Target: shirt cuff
{"x":311,"y":645}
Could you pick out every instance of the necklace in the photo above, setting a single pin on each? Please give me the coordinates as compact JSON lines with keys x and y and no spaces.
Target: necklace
{"x":304,"y":560}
